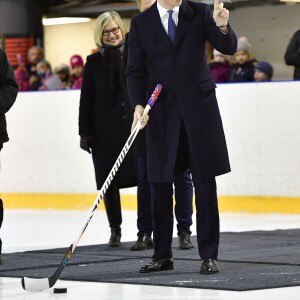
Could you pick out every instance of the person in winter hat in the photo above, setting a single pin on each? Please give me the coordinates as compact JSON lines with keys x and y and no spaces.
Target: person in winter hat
{"x":243,"y":69}
{"x":263,"y":71}
{"x":63,"y":72}
{"x":76,"y":60}
{"x":244,"y":44}
{"x":77,"y":67}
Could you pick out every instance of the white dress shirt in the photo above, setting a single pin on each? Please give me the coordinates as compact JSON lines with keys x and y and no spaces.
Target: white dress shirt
{"x":164,"y":16}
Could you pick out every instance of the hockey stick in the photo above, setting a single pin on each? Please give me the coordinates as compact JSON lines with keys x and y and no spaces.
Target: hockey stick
{"x":40,"y":284}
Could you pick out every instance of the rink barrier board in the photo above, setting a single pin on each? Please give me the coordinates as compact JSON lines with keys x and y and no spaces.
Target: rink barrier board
{"x":247,"y":204}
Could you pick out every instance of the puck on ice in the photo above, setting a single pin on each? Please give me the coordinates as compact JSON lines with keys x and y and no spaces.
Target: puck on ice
{"x":59,"y":290}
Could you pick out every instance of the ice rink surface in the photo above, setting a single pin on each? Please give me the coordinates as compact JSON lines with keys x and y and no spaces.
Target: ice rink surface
{"x":24,"y":230}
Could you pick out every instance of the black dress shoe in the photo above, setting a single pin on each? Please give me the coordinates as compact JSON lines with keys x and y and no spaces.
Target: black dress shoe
{"x":185,"y":241}
{"x":115,"y":238}
{"x":143,"y":242}
{"x":209,"y":266}
{"x":158,"y":265}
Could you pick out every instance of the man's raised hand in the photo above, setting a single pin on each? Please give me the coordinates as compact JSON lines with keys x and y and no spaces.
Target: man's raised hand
{"x":221,"y":14}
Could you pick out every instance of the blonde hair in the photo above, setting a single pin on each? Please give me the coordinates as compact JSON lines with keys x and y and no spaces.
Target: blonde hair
{"x":103,"y":20}
{"x":139,"y":4}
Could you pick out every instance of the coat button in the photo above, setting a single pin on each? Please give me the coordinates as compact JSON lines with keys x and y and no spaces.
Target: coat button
{"x":124,"y":117}
{"x":123,"y":103}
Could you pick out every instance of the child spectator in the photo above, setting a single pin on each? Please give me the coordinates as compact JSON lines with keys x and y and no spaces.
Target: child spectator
{"x":220,"y":67}
{"x":243,"y":69}
{"x":44,"y":71}
{"x":63,"y":72}
{"x":263,"y":71}
{"x":77,"y":66}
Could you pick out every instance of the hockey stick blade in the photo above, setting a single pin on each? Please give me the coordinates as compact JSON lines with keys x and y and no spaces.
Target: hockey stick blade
{"x":40,"y":284}
{"x":35,"y":284}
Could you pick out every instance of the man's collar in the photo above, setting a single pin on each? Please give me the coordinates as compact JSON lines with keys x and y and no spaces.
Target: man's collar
{"x":162,"y":11}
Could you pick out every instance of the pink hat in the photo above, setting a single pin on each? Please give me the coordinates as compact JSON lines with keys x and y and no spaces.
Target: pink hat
{"x":76,"y":60}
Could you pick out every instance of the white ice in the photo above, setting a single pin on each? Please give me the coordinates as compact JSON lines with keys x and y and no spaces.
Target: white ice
{"x":24,"y":230}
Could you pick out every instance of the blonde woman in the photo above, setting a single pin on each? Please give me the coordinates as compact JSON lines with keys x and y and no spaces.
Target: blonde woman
{"x":104,"y":125}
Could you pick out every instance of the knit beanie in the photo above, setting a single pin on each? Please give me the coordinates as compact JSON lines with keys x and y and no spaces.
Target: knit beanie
{"x":264,"y":67}
{"x":62,"y":68}
{"x":244,"y":45}
{"x":76,"y":60}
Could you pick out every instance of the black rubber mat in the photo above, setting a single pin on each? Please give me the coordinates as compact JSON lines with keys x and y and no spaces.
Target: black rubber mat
{"x":248,"y":261}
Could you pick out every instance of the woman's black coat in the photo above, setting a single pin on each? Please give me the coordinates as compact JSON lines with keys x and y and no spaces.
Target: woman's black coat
{"x":103,"y":115}
{"x":8,"y":94}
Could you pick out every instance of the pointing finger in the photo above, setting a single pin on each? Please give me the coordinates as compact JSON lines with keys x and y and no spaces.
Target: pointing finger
{"x":216,"y":4}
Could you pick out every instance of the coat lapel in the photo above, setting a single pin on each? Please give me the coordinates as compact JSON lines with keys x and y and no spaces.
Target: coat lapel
{"x":156,"y":25}
{"x":185,"y":17}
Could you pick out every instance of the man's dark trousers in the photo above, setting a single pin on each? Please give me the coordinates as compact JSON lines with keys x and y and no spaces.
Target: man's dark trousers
{"x":183,"y":196}
{"x":207,"y":216}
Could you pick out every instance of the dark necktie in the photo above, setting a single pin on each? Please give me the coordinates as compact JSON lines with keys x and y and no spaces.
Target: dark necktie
{"x":171,"y":27}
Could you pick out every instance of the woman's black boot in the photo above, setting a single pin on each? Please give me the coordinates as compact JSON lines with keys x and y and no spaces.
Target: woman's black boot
{"x":115,"y":238}
{"x":113,"y":210}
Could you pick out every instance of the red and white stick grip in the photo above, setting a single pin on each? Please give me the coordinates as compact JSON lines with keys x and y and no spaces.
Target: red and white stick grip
{"x":153,"y":98}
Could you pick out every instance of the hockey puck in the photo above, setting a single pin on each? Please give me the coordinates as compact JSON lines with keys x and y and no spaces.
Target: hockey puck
{"x":60,"y":290}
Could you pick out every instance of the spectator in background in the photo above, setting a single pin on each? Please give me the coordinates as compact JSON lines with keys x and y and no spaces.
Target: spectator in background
{"x":35,"y":54}
{"x":77,"y":67}
{"x":63,"y":73}
{"x":104,"y":125}
{"x":8,"y":94}
{"x":263,"y":71}
{"x":44,"y":71}
{"x":292,"y":54}
{"x":243,"y":68}
{"x":220,"y":67}
{"x":21,"y":77}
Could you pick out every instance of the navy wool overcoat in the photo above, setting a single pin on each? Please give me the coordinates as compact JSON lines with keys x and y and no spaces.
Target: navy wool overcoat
{"x":188,"y":93}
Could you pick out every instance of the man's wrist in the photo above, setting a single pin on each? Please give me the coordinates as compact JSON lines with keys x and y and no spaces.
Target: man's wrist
{"x":222,"y":25}
{"x":223,"y":28}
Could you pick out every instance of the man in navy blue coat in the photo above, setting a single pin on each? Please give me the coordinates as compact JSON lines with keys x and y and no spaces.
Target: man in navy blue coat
{"x":185,"y":128}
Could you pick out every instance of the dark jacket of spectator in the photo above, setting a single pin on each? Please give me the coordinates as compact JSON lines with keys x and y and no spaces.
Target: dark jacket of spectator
{"x":220,"y":71}
{"x":8,"y":94}
{"x":242,"y":72}
{"x":292,"y":54}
